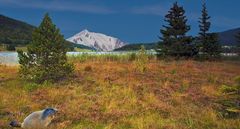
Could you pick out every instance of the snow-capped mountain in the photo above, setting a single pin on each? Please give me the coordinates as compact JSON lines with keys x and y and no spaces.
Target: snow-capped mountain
{"x":98,"y":41}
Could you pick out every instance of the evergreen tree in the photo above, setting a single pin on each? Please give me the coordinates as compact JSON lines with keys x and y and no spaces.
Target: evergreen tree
{"x":208,"y":42}
{"x":204,"y":24}
{"x":174,"y":40}
{"x":238,"y":46}
{"x":45,"y":58}
{"x":211,"y":49}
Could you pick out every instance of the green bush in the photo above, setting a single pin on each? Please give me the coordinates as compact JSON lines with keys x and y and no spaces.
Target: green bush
{"x":30,"y":87}
{"x":230,"y":99}
{"x":45,"y":59}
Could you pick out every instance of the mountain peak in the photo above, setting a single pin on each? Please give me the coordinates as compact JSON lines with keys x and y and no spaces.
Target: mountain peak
{"x":98,"y":41}
{"x":85,"y":30}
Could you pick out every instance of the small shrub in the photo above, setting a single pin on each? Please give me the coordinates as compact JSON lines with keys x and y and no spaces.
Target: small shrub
{"x":230,"y":102}
{"x":142,"y":59}
{"x":30,"y":87}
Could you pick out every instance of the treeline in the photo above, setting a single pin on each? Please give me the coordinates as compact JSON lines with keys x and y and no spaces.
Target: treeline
{"x":14,"y":32}
{"x":175,"y":42}
{"x":137,"y":46}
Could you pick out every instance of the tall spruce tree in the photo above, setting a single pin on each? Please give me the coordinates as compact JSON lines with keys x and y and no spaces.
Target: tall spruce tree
{"x":208,"y":42}
{"x":204,"y":24}
{"x":174,"y":40}
{"x":45,"y":58}
{"x":238,"y":45}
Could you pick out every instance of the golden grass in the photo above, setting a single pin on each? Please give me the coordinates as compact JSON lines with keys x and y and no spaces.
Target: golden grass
{"x":113,"y":94}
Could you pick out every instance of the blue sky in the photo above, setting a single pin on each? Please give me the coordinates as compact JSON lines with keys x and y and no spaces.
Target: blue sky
{"x":132,"y":21}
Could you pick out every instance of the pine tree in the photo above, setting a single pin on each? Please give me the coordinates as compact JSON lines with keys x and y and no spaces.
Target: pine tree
{"x":238,"y":46}
{"x":45,"y":58}
{"x":211,"y":49}
{"x":204,"y":24}
{"x":208,"y":42}
{"x":174,"y":40}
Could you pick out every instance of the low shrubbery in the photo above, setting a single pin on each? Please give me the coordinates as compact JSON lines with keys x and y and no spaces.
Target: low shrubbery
{"x":126,"y":57}
{"x":230,"y":99}
{"x":141,"y":60}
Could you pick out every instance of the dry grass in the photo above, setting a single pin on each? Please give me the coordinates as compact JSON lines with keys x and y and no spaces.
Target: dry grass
{"x":113,"y":94}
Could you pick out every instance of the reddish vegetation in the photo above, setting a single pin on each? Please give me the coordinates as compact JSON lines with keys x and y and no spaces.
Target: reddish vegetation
{"x":114,"y":94}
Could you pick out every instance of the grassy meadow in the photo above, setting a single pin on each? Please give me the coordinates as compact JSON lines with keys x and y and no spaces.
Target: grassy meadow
{"x":109,"y":92}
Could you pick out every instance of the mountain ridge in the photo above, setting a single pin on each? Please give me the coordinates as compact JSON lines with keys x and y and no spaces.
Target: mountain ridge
{"x":95,"y":40}
{"x":14,"y":31}
{"x":228,"y":37}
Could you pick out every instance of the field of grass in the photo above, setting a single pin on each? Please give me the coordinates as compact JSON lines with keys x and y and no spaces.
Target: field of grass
{"x":82,"y":50}
{"x":109,"y":92}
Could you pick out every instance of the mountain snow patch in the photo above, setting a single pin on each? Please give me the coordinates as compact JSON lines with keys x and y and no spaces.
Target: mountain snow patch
{"x":98,"y":41}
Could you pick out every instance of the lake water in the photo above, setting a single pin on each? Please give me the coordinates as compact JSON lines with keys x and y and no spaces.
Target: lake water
{"x":9,"y":58}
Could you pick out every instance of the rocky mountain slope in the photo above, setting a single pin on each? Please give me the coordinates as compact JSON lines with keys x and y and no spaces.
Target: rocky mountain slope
{"x":97,"y":41}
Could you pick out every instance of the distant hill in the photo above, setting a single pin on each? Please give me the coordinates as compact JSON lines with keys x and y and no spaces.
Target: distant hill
{"x":17,"y":33}
{"x":228,"y":37}
{"x":14,"y":31}
{"x":137,"y":46}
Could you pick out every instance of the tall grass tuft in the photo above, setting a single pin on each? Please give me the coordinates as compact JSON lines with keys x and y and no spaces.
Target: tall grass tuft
{"x":141,"y":60}
{"x":140,"y":57}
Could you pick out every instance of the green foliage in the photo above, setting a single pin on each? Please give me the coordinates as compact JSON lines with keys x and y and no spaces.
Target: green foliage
{"x":11,"y":47}
{"x":209,"y":45}
{"x":204,"y":23}
{"x":137,"y":46}
{"x":45,"y":58}
{"x":230,"y":102}
{"x":238,"y":46}
{"x":211,"y":49}
{"x":14,"y":32}
{"x":125,"y":57}
{"x":175,"y":41}
{"x":30,"y":87}
{"x":141,"y":60}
